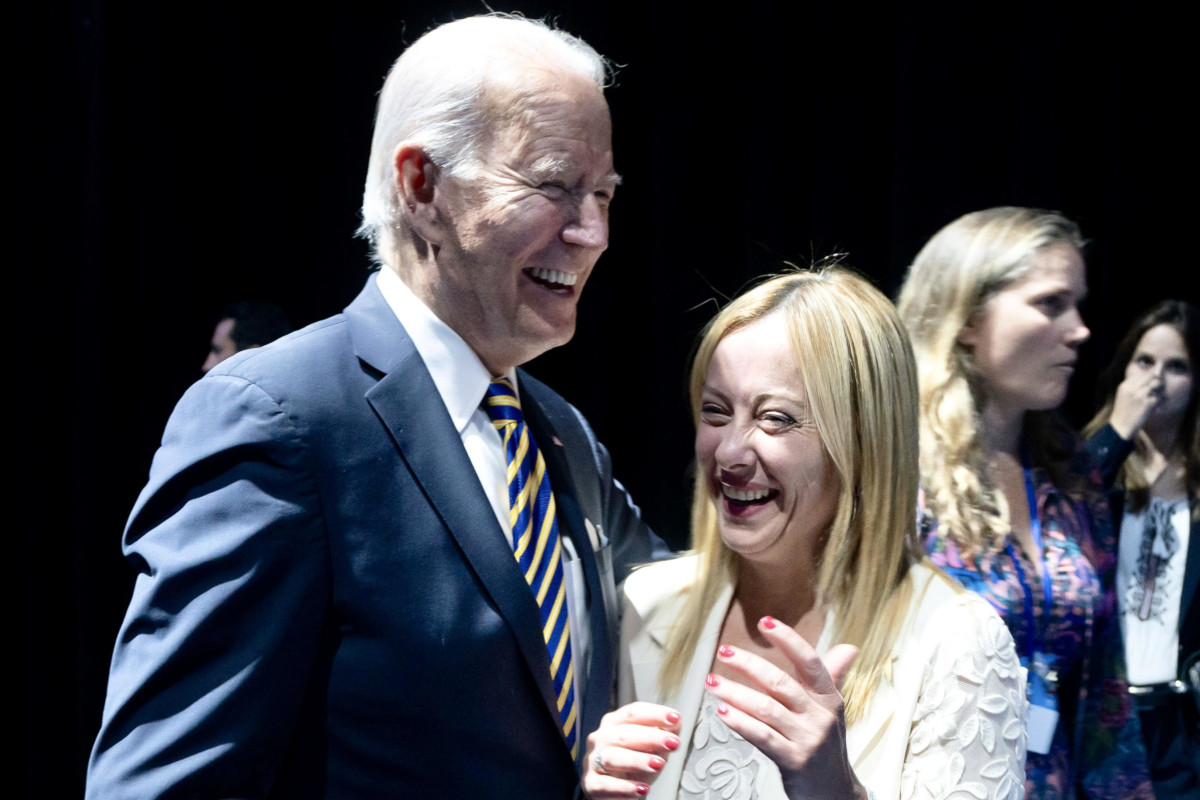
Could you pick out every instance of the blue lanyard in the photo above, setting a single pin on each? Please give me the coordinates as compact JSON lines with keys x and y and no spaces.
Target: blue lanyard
{"x":1032,"y":631}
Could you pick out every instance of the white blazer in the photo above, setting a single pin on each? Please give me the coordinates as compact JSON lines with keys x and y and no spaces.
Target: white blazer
{"x":952,"y":716}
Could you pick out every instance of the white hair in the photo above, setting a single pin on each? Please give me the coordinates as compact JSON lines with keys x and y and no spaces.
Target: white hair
{"x":434,"y":98}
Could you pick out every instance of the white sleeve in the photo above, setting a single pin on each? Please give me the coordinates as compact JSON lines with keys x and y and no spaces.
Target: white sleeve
{"x":968,"y":731}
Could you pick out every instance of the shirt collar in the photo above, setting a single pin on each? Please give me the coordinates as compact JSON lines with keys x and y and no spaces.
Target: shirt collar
{"x":460,"y":377}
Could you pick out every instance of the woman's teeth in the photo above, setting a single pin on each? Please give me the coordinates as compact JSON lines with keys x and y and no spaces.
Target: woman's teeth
{"x":744,"y":495}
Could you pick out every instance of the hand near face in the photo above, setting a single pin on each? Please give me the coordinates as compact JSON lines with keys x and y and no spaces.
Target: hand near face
{"x":1158,"y":382}
{"x":1136,"y":397}
{"x":629,"y":749}
{"x":795,"y":719}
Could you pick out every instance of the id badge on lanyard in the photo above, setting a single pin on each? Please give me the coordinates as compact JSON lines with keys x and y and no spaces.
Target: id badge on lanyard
{"x":1041,"y":665}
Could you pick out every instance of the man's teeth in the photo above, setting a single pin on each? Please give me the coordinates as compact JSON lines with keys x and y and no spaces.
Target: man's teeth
{"x":745,"y":495}
{"x":554,"y":276}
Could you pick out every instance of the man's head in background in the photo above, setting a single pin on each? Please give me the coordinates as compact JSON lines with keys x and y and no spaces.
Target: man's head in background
{"x":242,"y":325}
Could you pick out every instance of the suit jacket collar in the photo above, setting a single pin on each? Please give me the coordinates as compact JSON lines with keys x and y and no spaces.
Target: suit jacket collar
{"x":409,"y":406}
{"x":379,"y":339}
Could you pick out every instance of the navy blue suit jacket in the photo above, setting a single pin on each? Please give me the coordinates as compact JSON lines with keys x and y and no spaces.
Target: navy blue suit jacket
{"x":326,"y":606}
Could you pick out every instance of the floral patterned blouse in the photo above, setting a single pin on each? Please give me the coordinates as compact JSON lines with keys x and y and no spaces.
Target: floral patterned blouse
{"x":1080,"y":631}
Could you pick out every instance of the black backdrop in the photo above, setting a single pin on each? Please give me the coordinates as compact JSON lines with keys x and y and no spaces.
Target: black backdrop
{"x":166,"y":158}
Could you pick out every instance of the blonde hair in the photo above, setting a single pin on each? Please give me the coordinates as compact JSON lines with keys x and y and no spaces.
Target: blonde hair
{"x":954,"y":275}
{"x":858,"y":371}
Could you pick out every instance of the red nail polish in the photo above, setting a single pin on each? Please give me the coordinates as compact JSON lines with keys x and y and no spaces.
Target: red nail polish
{"x":767,"y":622}
{"x":711,"y":680}
{"x":722,"y":708}
{"x":672,"y":717}
{"x":672,"y":743}
{"x":657,"y":763}
{"x":642,"y":788}
{"x":725,"y":651}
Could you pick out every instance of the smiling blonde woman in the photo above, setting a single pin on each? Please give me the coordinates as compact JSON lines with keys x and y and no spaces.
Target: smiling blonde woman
{"x":804,"y":395}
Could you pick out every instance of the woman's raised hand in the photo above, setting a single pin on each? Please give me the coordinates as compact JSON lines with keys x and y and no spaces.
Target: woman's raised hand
{"x":795,"y":719}
{"x":629,"y":749}
{"x":1136,"y":397}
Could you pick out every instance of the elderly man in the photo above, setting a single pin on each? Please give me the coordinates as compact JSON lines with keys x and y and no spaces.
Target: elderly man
{"x":376,"y":559}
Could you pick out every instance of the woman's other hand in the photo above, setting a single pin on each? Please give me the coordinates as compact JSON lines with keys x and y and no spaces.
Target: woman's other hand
{"x":629,"y":749}
{"x":1136,"y":397}
{"x":796,"y":719}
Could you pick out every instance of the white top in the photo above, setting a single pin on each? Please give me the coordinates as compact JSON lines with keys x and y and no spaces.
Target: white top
{"x":462,"y":381}
{"x":950,"y":723}
{"x":1150,"y":567}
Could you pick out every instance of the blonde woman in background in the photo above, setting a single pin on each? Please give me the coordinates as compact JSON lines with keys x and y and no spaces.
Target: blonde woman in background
{"x":1009,"y":505}
{"x":805,"y":401}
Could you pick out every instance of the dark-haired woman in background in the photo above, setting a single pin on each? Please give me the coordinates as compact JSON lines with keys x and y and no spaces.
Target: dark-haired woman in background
{"x":1146,"y":442}
{"x":1009,"y":504}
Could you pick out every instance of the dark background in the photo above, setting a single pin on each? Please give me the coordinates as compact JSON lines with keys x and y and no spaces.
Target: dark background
{"x":167,"y":158}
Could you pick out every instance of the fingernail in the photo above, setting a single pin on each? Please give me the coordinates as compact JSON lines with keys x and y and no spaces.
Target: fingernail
{"x":767,"y":622}
{"x":725,"y":651}
{"x":722,"y":708}
{"x":642,"y":788}
{"x":711,"y":680}
{"x":657,"y":763}
{"x":672,"y":717}
{"x":672,"y":743}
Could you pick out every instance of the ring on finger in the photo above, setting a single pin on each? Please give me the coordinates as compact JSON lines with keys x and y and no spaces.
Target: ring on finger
{"x":598,"y":763}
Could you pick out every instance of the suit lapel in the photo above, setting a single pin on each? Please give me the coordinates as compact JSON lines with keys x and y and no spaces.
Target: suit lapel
{"x":409,"y":406}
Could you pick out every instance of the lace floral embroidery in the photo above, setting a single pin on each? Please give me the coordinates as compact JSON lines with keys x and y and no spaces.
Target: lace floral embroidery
{"x":968,"y":736}
{"x":721,"y":765}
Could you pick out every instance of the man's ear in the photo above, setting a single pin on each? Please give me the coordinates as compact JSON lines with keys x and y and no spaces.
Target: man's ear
{"x":416,"y":178}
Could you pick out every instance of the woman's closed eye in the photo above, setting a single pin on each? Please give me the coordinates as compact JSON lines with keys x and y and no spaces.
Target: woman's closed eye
{"x":778,"y":420}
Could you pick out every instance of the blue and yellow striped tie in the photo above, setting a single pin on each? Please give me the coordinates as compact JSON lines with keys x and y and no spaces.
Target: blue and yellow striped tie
{"x":536,"y":544}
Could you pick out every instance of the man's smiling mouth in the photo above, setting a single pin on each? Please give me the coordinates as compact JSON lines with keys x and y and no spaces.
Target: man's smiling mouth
{"x":552,"y":278}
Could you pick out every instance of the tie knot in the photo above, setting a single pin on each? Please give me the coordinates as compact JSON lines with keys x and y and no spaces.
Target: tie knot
{"x":502,"y":404}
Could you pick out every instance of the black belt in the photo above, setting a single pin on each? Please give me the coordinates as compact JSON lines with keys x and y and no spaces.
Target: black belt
{"x":1151,"y":695}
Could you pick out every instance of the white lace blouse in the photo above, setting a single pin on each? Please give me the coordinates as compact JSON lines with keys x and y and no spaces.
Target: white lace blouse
{"x":949,"y":725}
